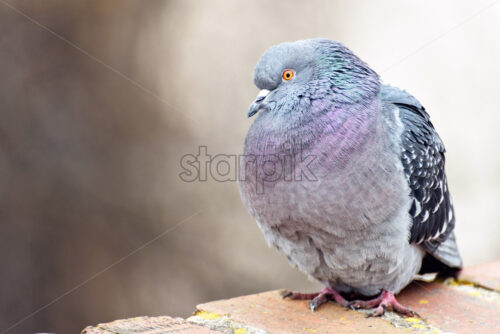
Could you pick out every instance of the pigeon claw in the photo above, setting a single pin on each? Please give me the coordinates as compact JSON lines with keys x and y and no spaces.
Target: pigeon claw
{"x":312,"y":306}
{"x":385,"y":301}
{"x":317,"y":299}
{"x":286,"y":293}
{"x":379,"y":311}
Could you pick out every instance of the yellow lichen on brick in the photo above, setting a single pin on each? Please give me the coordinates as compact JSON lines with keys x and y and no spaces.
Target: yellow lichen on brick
{"x":344,"y":320}
{"x":423,"y":301}
{"x":451,"y":282}
{"x":413,"y":320}
{"x":240,"y":331}
{"x":208,"y":315}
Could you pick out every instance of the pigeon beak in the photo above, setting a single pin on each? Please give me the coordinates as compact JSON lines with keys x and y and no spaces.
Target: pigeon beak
{"x":257,"y":104}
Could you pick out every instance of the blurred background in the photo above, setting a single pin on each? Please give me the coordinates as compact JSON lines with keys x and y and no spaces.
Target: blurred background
{"x":99,"y":100}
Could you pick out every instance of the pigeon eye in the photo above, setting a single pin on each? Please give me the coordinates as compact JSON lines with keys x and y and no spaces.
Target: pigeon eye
{"x":287,"y":74}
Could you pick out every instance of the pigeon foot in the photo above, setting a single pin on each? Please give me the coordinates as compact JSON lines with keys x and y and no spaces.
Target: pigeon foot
{"x":385,"y":301}
{"x":318,"y":298}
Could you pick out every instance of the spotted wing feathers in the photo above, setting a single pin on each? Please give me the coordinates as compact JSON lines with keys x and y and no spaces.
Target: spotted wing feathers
{"x":423,"y":161}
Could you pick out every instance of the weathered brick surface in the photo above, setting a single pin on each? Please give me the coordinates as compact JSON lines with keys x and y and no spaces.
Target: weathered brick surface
{"x":148,"y":325}
{"x":486,"y":275}
{"x":456,"y":308}
{"x":271,"y":312}
{"x":469,"y":305}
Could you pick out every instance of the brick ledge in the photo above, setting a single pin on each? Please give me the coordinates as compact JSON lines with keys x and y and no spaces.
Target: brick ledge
{"x":468,"y":305}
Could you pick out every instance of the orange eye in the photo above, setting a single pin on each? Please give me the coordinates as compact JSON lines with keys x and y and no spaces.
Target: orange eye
{"x":287,"y":74}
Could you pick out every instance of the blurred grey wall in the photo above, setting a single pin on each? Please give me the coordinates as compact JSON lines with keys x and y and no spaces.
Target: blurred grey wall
{"x":99,"y":100}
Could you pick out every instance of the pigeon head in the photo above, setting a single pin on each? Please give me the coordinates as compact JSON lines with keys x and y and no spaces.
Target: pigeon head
{"x":314,"y":69}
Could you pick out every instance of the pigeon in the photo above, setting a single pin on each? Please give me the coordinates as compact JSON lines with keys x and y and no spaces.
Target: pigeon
{"x":346,"y":176}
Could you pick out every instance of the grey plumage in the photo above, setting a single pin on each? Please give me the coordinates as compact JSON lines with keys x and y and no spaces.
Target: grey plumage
{"x":423,"y":161}
{"x":376,"y":199}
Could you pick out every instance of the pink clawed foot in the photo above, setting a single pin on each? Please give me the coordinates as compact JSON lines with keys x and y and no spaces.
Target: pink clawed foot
{"x":385,"y":301}
{"x":316,"y":299}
